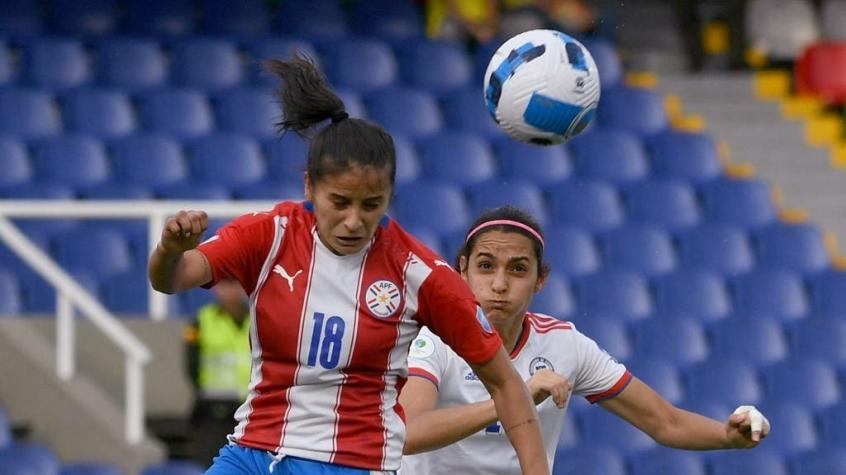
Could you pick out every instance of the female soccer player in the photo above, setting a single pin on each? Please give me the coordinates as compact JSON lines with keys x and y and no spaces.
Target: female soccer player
{"x":502,"y":260}
{"x":337,"y":293}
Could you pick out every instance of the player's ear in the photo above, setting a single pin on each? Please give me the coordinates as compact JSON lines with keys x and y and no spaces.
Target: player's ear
{"x":542,"y":275}
{"x":462,"y":266}
{"x":307,"y":192}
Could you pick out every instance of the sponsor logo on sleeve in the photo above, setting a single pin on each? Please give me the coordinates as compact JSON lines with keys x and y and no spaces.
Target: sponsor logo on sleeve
{"x":422,"y":347}
{"x":483,"y":320}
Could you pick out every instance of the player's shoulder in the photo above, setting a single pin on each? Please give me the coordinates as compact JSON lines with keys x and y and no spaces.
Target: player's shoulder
{"x":546,"y":324}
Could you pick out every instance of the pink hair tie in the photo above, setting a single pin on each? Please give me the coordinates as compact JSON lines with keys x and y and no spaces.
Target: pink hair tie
{"x":506,"y":222}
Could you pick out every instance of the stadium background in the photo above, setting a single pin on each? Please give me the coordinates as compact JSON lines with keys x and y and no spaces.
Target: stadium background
{"x":693,"y":230}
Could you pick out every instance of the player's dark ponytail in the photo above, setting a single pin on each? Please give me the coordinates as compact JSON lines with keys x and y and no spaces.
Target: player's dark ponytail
{"x":307,"y":100}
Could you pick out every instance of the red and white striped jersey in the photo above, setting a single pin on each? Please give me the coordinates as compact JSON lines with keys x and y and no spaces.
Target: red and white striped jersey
{"x":330,"y":334}
{"x":544,"y":343}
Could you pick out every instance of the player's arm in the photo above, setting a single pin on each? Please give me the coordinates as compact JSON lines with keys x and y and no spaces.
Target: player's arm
{"x":668,"y":425}
{"x":176,"y":265}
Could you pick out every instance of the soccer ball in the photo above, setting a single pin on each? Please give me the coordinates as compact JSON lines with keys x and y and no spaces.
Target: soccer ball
{"x":542,"y":87}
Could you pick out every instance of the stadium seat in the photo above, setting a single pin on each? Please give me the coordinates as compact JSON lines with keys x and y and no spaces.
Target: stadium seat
{"x":245,"y":18}
{"x":684,"y":156}
{"x":669,"y":204}
{"x":666,"y":461}
{"x":419,"y":203}
{"x":795,"y":431}
{"x":38,"y":191}
{"x":10,"y":304}
{"x":275,"y":47}
{"x":829,"y":293}
{"x":755,"y":340}
{"x":744,"y":202}
{"x":161,"y":18}
{"x":438,"y":67}
{"x":693,"y":292}
{"x":287,"y":157}
{"x":718,"y":410}
{"x":587,"y":459}
{"x":89,"y":18}
{"x":226,"y":159}
{"x":456,"y":158}
{"x":112,"y":190}
{"x":270,"y":190}
{"x":182,"y":113}
{"x":661,"y":374}
{"x":126,"y":293}
{"x":28,"y":113}
{"x":592,"y":205}
{"x":21,"y":18}
{"x":5,"y":428}
{"x":408,"y":163}
{"x":614,"y":156}
{"x":760,"y":460}
{"x":71,"y":160}
{"x":802,"y":380}
{"x":387,"y":19}
{"x":600,"y":427}
{"x":540,"y":165}
{"x":640,"y":111}
{"x":431,"y":239}
{"x":611,"y":335}
{"x":832,"y":429}
{"x":390,"y":107}
{"x":555,"y":299}
{"x":102,"y":113}
{"x":820,"y":337}
{"x":465,"y":111}
{"x":780,"y":29}
{"x":825,"y":461}
{"x":771,"y":291}
{"x":148,"y":160}
{"x":131,"y":64}
{"x":173,"y":468}
{"x":14,"y":161}
{"x":361,"y":65}
{"x":499,"y":192}
{"x":607,"y":61}
{"x":207,"y":64}
{"x":797,"y":247}
{"x":90,"y":468}
{"x":615,"y":293}
{"x":56,"y":63}
{"x":190,"y":302}
{"x":251,"y":111}
{"x":571,"y":251}
{"x":353,"y":103}
{"x":193,"y":191}
{"x":678,"y":339}
{"x":23,"y":458}
{"x":101,"y":251}
{"x":723,"y":379}
{"x":7,"y":67}
{"x":320,"y":19}
{"x":569,"y":436}
{"x":719,"y":248}
{"x":643,"y":249}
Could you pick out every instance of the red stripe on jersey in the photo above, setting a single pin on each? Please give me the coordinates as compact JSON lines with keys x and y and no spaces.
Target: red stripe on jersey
{"x":422,"y":373}
{"x":616,"y":389}
{"x":543,"y":324}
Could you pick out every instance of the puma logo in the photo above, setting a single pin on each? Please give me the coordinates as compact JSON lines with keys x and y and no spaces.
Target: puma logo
{"x":290,"y":278}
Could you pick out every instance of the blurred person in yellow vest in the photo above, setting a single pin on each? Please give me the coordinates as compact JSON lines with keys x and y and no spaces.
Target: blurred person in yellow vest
{"x":462,"y":20}
{"x":218,"y":355}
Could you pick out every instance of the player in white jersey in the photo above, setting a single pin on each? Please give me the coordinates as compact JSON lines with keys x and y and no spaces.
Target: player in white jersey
{"x":452,"y":425}
{"x":338,"y":291}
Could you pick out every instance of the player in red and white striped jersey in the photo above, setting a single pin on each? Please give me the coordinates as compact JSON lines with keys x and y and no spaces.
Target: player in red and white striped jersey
{"x":453,"y":422}
{"x":338,"y":291}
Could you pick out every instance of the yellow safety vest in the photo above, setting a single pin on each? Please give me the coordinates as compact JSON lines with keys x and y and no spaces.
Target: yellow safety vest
{"x":224,"y":350}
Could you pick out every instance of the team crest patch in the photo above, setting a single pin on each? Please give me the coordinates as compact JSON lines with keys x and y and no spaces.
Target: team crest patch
{"x":539,"y":363}
{"x":422,"y":347}
{"x":382,"y":298}
{"x":483,"y":320}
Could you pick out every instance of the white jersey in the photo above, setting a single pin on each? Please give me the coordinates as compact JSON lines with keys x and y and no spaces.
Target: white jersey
{"x":545,"y":343}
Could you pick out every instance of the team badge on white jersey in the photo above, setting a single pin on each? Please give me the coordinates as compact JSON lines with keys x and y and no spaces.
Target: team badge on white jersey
{"x":382,"y":298}
{"x":539,"y":363}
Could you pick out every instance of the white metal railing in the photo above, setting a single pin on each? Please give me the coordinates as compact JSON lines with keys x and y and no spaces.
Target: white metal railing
{"x":72,"y":297}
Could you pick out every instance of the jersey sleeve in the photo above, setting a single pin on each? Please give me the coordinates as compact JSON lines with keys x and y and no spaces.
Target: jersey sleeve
{"x":427,"y":357}
{"x":448,"y":308}
{"x":598,"y":376}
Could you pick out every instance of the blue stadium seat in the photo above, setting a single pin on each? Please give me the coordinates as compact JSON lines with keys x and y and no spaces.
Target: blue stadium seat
{"x":460,"y":159}
{"x":746,"y":203}
{"x":390,"y":107}
{"x":607,"y":61}
{"x":829,"y":293}
{"x":802,"y":380}
{"x":798,"y":247}
{"x":72,"y":160}
{"x":101,"y":251}
{"x":794,"y":431}
{"x":666,"y":203}
{"x":592,"y":205}
{"x":600,"y":427}
{"x":24,"y":458}
{"x":353,"y":103}
{"x":274,"y":47}
{"x":569,"y":436}
{"x":723,"y":379}
{"x":10,"y":304}
{"x":661,"y":374}
{"x":431,"y":239}
{"x":190,"y":302}
{"x":771,"y":291}
{"x":90,"y":468}
{"x":684,"y":156}
{"x":148,"y":160}
{"x":408,"y":163}
{"x":126,"y":293}
{"x":270,"y":190}
{"x":88,"y":18}
{"x":226,"y":159}
{"x":614,"y":156}
{"x":244,"y":18}
{"x":28,"y":113}
{"x":611,"y":335}
{"x":693,"y":292}
{"x":208,"y":64}
{"x":464,"y":110}
{"x":131,"y":64}
{"x":56,"y":63}
{"x":827,"y":461}
{"x":287,"y":157}
{"x":555,"y":299}
{"x":640,"y":111}
{"x":615,"y":293}
{"x":587,"y":459}
{"x":499,"y":192}
{"x":5,"y":428}
{"x":571,"y":251}
{"x":755,"y":340}
{"x":193,"y":191}
{"x":38,"y":191}
{"x":21,"y":18}
{"x":820,"y":337}
{"x":14,"y":161}
{"x":718,"y":410}
{"x":678,"y":339}
{"x":422,"y":203}
{"x":387,"y":19}
{"x":321,"y":19}
{"x":173,"y":468}
{"x":435,"y":66}
{"x":666,"y":461}
{"x":832,"y":429}
{"x":182,"y":113}
{"x":361,"y":65}
{"x":760,"y":460}
{"x":251,"y":111}
{"x":720,"y":248}
{"x":103,"y":113}
{"x":540,"y":165}
{"x":7,"y":67}
{"x":643,"y":249}
{"x":161,"y":18}
{"x":112,"y":190}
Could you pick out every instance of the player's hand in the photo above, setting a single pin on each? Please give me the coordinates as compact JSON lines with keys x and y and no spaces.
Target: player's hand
{"x":746,"y":428}
{"x":184,"y":231}
{"x":546,"y":383}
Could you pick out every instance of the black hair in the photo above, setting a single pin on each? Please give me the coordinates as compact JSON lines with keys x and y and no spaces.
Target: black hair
{"x":510,"y":213}
{"x":307,"y":100}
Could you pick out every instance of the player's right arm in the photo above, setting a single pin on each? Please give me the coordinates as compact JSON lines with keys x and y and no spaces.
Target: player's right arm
{"x":176,"y":265}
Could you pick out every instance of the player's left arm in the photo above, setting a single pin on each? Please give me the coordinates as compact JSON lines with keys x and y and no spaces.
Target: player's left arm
{"x":674,"y":427}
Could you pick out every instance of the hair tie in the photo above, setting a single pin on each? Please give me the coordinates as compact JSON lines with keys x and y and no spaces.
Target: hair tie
{"x":339,"y":116}
{"x":506,"y":222}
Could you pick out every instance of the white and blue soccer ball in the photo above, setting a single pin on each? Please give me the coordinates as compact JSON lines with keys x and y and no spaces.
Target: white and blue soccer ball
{"x":542,"y":87}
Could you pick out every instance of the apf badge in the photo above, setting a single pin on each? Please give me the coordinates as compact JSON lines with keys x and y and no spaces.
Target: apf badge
{"x":382,"y":298}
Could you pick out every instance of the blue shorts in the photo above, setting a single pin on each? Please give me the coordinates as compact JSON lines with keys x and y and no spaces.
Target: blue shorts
{"x":234,"y":459}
